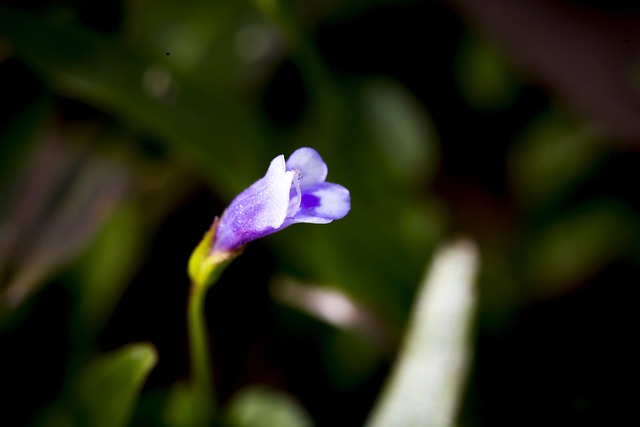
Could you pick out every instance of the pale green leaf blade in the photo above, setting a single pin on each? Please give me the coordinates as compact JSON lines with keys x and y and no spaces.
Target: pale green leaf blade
{"x":426,"y":383}
{"x":262,"y":406}
{"x":107,"y":390}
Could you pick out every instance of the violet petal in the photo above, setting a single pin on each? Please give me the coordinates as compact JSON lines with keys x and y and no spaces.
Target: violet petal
{"x":257,"y":211}
{"x":323,"y":204}
{"x":309,"y":167}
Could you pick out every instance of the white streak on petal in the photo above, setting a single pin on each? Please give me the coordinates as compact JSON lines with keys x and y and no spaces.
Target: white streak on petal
{"x":271,"y":198}
{"x":335,"y":201}
{"x":306,"y":218}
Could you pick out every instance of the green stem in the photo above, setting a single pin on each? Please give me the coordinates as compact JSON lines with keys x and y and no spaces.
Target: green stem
{"x":201,"y":373}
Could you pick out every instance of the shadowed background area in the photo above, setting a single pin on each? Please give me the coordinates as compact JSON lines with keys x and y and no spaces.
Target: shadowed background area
{"x":127,"y":126}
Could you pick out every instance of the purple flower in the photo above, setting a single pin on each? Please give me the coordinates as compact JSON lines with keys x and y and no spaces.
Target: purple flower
{"x":290,"y":192}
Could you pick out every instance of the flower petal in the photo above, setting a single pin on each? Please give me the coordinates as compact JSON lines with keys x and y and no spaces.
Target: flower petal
{"x":323,"y":204}
{"x":309,"y":166}
{"x":257,"y":211}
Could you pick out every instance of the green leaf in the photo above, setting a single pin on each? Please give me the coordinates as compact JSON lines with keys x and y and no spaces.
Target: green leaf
{"x":552,"y":156}
{"x":184,"y":407}
{"x":401,"y":129}
{"x":106,"y":390}
{"x":262,"y":406}
{"x":106,"y":267}
{"x":576,"y":245}
{"x":426,"y":383}
{"x":484,"y":77}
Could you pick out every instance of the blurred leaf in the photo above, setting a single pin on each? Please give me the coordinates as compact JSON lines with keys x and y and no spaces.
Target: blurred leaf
{"x":207,"y":125}
{"x":401,"y":129}
{"x":553,"y":155}
{"x":578,"y":244}
{"x":63,"y":197}
{"x":484,"y":76}
{"x":262,"y":406}
{"x":194,"y":36}
{"x":106,"y":391}
{"x":282,"y":13}
{"x":333,"y":307}
{"x":17,"y":141}
{"x":427,"y":380}
{"x":181,"y":409}
{"x":107,"y":265}
{"x":149,"y":410}
{"x":552,"y":44}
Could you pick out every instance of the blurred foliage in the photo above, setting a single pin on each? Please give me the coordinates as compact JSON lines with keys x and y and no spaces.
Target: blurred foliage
{"x":260,"y":406}
{"x":485,"y":78}
{"x":427,"y":380}
{"x":106,"y":390}
{"x":129,"y":125}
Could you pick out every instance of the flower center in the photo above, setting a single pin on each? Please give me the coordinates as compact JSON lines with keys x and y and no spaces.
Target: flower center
{"x":297,"y":173}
